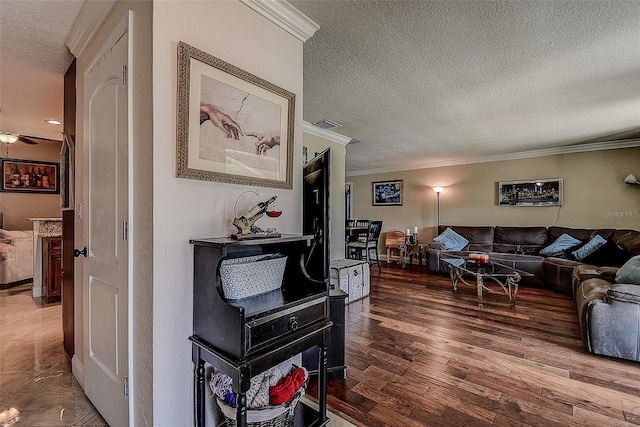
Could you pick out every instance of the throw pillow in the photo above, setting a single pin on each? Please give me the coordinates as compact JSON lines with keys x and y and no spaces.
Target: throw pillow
{"x":556,"y":248}
{"x":591,"y":246}
{"x":569,"y":252}
{"x":609,"y":254}
{"x":629,"y":272}
{"x":451,"y":240}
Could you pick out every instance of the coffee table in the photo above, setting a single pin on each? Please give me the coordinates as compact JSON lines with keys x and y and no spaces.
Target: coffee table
{"x":505,"y":276}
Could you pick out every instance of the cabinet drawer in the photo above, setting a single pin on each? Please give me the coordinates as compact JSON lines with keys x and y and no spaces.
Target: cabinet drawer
{"x":55,"y":244}
{"x":262,"y":331}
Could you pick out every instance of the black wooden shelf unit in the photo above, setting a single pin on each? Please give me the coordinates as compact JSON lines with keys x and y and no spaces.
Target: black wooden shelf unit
{"x":245,"y":337}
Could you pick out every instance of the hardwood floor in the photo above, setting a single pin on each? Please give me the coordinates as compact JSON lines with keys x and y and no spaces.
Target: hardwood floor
{"x":419,"y":354}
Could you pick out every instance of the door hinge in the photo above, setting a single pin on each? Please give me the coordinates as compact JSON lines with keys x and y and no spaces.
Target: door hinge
{"x":124,"y":75}
{"x":125,"y":230}
{"x":126,"y":386}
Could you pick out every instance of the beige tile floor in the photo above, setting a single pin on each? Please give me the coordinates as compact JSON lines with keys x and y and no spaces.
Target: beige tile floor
{"x":35,"y":372}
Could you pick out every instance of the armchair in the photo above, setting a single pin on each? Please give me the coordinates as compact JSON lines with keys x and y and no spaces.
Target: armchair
{"x":608,"y":311}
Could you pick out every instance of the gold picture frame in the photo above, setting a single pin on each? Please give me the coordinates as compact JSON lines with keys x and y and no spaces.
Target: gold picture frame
{"x":233,"y":126}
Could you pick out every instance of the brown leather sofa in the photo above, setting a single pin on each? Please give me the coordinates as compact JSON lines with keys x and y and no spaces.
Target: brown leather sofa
{"x":520,"y":248}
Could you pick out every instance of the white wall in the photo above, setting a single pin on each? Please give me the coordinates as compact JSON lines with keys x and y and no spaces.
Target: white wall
{"x":185,"y":209}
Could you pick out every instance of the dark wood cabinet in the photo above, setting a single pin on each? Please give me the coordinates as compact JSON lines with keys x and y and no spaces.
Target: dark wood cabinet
{"x":247,"y":336}
{"x":52,"y":269}
{"x":336,"y":367}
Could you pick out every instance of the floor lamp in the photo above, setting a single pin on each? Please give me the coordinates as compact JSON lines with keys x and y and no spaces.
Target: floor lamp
{"x":438,"y":190}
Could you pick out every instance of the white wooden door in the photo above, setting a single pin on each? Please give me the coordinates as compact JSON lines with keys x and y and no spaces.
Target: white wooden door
{"x":105,"y":213}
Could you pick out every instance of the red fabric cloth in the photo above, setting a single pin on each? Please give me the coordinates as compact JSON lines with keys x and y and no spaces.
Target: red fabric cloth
{"x":286,"y":388}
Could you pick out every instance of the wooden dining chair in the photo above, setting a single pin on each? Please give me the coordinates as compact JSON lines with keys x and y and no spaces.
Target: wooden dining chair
{"x":358,"y":249}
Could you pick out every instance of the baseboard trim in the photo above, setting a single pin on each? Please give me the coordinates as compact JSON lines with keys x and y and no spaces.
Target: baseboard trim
{"x":4,"y":286}
{"x":77,"y":369}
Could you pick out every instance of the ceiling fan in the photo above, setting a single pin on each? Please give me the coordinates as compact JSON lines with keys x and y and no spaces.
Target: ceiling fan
{"x":10,"y":138}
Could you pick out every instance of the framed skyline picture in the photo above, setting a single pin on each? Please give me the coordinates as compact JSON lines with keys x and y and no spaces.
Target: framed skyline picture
{"x":539,"y":192}
{"x":387,"y":193}
{"x":30,"y":176}
{"x":233,"y":126}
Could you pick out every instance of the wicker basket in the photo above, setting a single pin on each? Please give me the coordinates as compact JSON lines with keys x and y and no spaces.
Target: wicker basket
{"x":253,"y":275}
{"x":271,"y":416}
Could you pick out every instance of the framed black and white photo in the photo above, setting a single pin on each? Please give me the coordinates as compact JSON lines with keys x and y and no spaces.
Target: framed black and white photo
{"x":387,"y":193}
{"x":232,"y":125}
{"x":538,"y":192}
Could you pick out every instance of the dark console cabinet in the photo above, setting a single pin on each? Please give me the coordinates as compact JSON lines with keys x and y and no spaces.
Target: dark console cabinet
{"x":247,"y":336}
{"x":336,"y":367}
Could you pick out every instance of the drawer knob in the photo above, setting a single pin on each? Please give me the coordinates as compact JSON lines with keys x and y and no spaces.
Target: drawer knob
{"x":355,"y":272}
{"x":293,"y":323}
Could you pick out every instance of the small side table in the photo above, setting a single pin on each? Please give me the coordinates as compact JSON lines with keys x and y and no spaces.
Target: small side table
{"x":409,"y":251}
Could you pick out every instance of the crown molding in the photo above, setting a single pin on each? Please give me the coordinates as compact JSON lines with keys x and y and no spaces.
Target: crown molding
{"x":285,"y":16}
{"x":580,"y":148}
{"x":88,"y":22}
{"x":324,"y":133}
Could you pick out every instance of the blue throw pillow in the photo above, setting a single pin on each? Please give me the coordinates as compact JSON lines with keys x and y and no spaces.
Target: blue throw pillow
{"x":556,"y":248}
{"x":630,"y":272}
{"x":591,"y":246}
{"x":609,"y":254}
{"x":451,"y":240}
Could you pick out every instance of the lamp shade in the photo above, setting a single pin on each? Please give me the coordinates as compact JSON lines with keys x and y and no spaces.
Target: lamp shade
{"x":631,"y":179}
{"x":8,"y":138}
{"x":438,"y":190}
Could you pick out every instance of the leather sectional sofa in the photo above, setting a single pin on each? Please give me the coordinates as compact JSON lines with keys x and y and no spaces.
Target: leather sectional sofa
{"x":520,"y":247}
{"x":609,"y":313}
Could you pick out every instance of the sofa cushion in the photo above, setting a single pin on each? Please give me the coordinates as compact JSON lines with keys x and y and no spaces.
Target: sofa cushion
{"x":626,"y":293}
{"x":529,"y":240}
{"x":630,"y":272}
{"x":451,"y":240}
{"x":582,"y":234}
{"x":609,"y":254}
{"x":558,"y":273}
{"x":480,"y":238}
{"x":590,"y":247}
{"x":563,"y":242}
{"x":629,"y":240}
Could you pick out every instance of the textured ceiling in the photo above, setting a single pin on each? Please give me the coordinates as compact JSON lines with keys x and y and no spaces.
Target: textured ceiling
{"x":422,"y":82}
{"x":33,"y":60}
{"x":418,"y":82}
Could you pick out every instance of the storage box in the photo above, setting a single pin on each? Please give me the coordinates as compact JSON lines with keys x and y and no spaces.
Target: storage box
{"x":351,"y":276}
{"x":249,"y":276}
